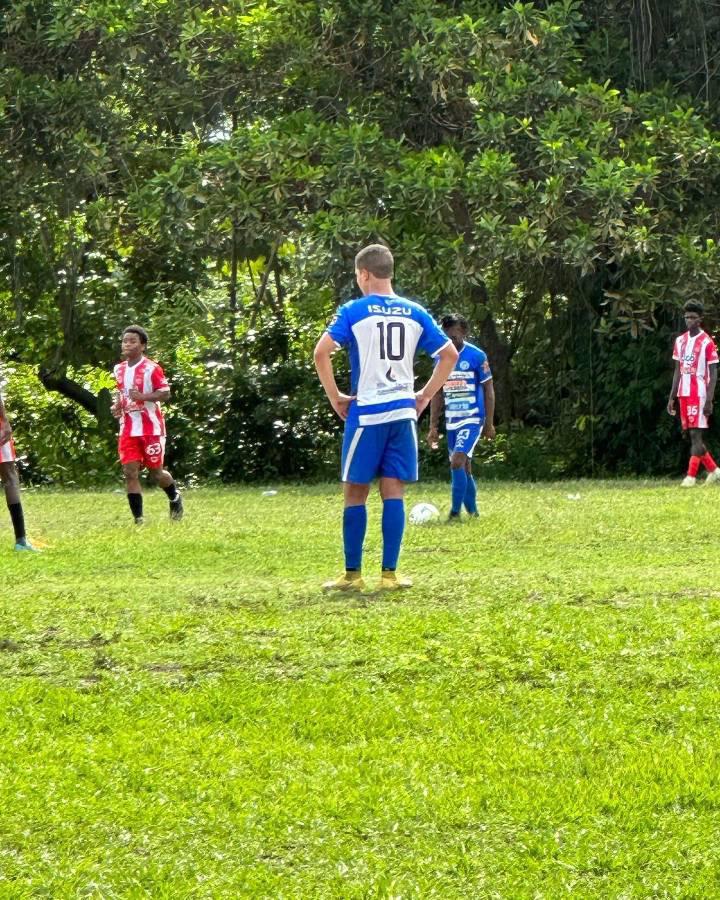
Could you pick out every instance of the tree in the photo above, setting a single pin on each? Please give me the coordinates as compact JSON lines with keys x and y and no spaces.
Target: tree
{"x":212,"y":171}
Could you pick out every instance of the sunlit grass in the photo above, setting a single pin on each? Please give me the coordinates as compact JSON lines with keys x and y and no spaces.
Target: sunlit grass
{"x":185,"y":714}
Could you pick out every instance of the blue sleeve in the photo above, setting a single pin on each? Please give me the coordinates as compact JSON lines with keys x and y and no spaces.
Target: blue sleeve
{"x":339,"y":328}
{"x":483,"y":367}
{"x":433,"y":338}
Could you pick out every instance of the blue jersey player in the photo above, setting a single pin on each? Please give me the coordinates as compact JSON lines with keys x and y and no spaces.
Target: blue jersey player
{"x":381,"y":332}
{"x":469,"y":409}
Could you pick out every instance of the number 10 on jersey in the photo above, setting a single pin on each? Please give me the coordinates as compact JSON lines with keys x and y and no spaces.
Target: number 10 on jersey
{"x":392,"y":340}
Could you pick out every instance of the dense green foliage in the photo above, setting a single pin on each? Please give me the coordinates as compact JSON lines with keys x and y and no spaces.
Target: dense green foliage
{"x":210,"y":170}
{"x":186,"y":715}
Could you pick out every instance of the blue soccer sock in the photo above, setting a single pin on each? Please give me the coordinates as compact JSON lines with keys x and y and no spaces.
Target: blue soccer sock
{"x":459,"y":487}
{"x":354,"y":528}
{"x":393,"y":525}
{"x":470,"y":500}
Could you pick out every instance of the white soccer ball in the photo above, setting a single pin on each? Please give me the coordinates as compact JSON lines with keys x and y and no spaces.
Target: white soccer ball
{"x":423,"y":512}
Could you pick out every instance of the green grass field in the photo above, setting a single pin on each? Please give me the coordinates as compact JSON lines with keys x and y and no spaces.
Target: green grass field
{"x":184,"y":714}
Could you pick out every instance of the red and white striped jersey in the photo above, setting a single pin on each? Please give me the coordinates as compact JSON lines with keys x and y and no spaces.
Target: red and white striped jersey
{"x":695,"y":355}
{"x":146,"y":417}
{"x":7,"y":450}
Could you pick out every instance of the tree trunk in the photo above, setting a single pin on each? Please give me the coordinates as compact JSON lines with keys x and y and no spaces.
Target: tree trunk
{"x":232,"y":294}
{"x":499,"y":355}
{"x":498,"y":351}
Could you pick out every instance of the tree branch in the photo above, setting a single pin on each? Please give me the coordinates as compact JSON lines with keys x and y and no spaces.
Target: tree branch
{"x":61,"y":384}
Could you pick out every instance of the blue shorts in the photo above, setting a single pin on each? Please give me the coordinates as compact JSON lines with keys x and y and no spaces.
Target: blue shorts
{"x":463,"y":440}
{"x":380,"y":451}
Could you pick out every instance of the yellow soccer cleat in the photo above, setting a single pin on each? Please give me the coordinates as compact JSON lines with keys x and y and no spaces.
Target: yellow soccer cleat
{"x":348,"y":581}
{"x":391,"y":581}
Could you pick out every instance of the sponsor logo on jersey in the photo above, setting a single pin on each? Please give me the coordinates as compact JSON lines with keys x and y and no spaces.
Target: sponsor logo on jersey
{"x":464,"y":364}
{"x":389,"y":310}
{"x":458,"y":386}
{"x":396,"y":388}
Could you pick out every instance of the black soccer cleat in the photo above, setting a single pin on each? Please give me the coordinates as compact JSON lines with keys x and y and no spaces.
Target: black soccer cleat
{"x":176,"y":509}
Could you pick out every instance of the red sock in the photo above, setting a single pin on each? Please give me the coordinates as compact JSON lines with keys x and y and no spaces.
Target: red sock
{"x":708,"y":462}
{"x":694,"y":466}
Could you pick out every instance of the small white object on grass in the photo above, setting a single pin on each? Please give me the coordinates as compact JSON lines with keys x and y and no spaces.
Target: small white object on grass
{"x":269,"y":493}
{"x":573,"y":496}
{"x":423,"y":512}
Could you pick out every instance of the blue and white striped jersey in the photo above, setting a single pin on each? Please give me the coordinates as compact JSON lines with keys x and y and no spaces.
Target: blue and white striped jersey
{"x":464,"y":396}
{"x":382,"y":335}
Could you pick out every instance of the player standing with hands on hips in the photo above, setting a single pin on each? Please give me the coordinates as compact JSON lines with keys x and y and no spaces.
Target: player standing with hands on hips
{"x":469,"y":411}
{"x":696,"y":363}
{"x":381,"y":332}
{"x":141,"y":388}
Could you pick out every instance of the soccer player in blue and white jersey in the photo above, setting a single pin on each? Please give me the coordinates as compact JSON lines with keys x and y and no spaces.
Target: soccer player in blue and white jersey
{"x":381,"y":332}
{"x":469,"y":410}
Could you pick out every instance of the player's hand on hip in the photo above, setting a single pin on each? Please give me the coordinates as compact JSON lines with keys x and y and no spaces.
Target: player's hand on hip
{"x":5,"y":433}
{"x":489,"y":431}
{"x":341,"y":405}
{"x":421,"y":402}
{"x":671,"y":407}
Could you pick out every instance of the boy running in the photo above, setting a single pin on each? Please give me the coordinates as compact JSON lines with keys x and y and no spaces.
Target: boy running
{"x":141,"y":388}
{"x":11,"y":481}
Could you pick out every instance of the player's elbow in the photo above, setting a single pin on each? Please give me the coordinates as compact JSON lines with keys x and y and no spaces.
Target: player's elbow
{"x":450,"y":355}
{"x":321,"y":354}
